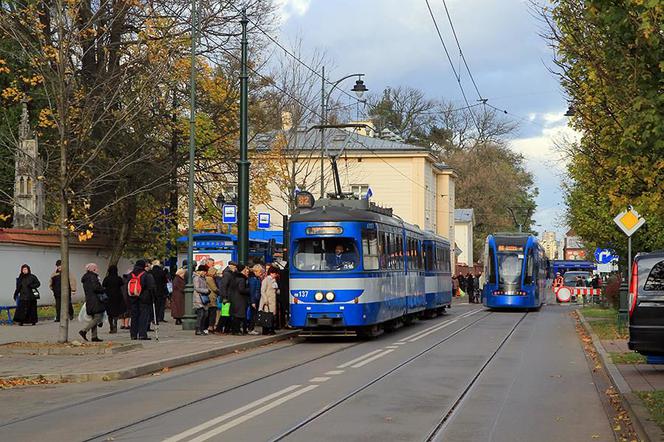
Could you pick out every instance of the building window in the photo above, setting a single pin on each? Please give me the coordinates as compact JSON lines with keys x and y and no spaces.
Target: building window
{"x":359,"y":190}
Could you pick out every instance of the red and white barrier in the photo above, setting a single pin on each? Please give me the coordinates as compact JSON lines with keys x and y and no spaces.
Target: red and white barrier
{"x":565,"y":294}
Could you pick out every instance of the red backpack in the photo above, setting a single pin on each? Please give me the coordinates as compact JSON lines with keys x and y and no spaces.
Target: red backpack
{"x":134,"y":287}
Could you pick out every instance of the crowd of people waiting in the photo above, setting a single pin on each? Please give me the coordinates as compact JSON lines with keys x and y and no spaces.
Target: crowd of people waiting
{"x":469,"y":285}
{"x":230,"y":303}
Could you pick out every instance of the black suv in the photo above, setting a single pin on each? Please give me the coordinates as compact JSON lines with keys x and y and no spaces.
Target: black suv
{"x":646,"y":304}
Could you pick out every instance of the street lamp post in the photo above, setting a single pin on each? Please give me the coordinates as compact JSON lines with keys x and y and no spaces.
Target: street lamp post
{"x":189,"y":320}
{"x":243,"y":164}
{"x":359,"y":88}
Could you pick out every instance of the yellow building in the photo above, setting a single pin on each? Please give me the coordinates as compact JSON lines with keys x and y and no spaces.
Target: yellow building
{"x":405,"y":177}
{"x":550,"y":245}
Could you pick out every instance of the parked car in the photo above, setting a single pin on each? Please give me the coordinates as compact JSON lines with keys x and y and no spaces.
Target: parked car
{"x":646,"y":304}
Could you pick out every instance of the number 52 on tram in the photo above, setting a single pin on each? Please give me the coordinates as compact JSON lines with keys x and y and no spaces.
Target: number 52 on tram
{"x":516,"y":270}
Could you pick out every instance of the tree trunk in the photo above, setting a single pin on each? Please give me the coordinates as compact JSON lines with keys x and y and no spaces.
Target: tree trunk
{"x":64,"y":249}
{"x":126,"y":226}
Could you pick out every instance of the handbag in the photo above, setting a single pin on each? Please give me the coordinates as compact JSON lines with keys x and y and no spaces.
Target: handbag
{"x":265,"y":318}
{"x":102,"y":297}
{"x":205,"y":299}
{"x":35,"y":293}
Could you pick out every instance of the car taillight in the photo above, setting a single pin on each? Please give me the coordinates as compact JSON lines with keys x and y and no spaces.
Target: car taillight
{"x":633,"y":288}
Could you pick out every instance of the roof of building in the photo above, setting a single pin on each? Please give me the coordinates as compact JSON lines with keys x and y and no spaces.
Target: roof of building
{"x":464,"y":215}
{"x":335,"y":141}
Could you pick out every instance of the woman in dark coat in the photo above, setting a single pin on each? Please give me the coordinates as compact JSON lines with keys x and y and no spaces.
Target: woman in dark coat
{"x":94,"y":306}
{"x":239,"y":294}
{"x":116,"y":304}
{"x":177,"y":298}
{"x":26,"y":308}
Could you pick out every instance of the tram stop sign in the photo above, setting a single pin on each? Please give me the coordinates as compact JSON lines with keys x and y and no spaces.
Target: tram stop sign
{"x":229,"y":214}
{"x":263,"y":220}
{"x":629,"y":221}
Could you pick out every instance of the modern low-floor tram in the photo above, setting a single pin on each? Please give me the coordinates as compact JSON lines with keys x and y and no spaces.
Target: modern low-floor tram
{"x":516,"y":271}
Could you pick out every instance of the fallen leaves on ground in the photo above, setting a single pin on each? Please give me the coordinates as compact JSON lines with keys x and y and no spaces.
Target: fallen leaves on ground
{"x":6,"y":384}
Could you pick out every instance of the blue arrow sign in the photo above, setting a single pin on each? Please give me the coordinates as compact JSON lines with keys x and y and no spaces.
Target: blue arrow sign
{"x":229,"y":212}
{"x":604,"y":256}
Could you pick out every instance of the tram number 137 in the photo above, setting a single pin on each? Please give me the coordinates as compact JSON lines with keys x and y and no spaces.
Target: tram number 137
{"x":301,"y":294}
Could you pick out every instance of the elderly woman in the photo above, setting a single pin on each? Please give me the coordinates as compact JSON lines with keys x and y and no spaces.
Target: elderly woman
{"x":201,"y":299}
{"x":26,"y":296}
{"x":177,"y":299}
{"x":268,"y":301}
{"x":95,"y":301}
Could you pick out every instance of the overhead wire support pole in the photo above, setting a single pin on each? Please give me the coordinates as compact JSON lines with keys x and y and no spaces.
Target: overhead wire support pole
{"x":189,"y":320}
{"x":322,"y":135}
{"x":243,"y":164}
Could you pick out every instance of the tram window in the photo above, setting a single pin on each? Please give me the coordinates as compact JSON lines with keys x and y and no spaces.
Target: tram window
{"x":383,"y":250}
{"x":530,"y":276}
{"x":400,"y":252}
{"x":370,"y":250}
{"x":491,"y":265}
{"x":509,"y":268}
{"x":429,"y":258}
{"x":323,"y":254}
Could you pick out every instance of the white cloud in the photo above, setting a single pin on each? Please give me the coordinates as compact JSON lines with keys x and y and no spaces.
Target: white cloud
{"x":289,"y":8}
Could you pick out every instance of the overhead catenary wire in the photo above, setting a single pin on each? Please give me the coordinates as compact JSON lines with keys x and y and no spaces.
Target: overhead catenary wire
{"x":449,"y":59}
{"x":463,"y":57}
{"x":296,"y":58}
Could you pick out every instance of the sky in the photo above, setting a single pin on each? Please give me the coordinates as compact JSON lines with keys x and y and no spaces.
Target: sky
{"x":394,"y":43}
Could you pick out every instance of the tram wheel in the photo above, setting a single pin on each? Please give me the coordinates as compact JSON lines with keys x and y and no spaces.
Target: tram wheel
{"x":369,"y":332}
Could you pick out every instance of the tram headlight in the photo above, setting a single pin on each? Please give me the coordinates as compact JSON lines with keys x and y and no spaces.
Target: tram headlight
{"x":318,"y":296}
{"x":329,"y":296}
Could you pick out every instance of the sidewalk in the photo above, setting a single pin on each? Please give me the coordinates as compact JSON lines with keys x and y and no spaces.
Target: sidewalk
{"x":174,"y":348}
{"x":629,"y":379}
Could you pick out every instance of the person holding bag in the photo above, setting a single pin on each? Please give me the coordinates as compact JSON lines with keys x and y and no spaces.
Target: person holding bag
{"x":95,"y":301}
{"x":26,"y":296}
{"x":268,"y":302}
{"x":201,"y":299}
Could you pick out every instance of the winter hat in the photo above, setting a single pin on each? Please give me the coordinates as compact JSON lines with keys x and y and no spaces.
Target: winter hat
{"x":140,"y":263}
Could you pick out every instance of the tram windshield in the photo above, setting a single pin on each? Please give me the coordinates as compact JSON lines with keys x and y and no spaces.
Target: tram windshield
{"x":509,"y":268}
{"x":326,"y":254}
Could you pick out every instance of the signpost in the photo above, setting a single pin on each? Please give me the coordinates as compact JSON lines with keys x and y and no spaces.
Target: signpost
{"x":629,"y":222}
{"x":604,"y":256}
{"x":263,"y":220}
{"x":229,"y":213}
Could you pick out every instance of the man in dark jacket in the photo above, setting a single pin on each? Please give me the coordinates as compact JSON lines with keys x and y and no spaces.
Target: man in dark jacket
{"x":56,"y":287}
{"x":95,"y":306}
{"x":161,"y":289}
{"x":226,"y":279}
{"x":141,"y":303}
{"x":239,"y":296}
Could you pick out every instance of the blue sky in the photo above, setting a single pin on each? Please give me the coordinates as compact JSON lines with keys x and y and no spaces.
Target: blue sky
{"x":394,"y":43}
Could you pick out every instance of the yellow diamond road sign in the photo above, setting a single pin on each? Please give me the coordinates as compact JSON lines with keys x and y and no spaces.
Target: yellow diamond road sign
{"x":629,"y":221}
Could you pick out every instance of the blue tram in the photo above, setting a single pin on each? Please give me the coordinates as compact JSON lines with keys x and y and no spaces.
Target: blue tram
{"x":355,"y":266}
{"x":516,"y":271}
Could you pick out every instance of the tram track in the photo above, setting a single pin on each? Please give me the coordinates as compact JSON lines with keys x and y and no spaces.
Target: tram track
{"x":108,"y":433}
{"x":436,"y":433}
{"x":331,"y":406}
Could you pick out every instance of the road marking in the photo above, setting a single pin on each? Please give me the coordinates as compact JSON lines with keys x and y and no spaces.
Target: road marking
{"x":319,"y":379}
{"x":349,"y":363}
{"x":223,"y":417}
{"x":434,"y":330}
{"x":371,"y":359}
{"x":437,"y":326}
{"x":392,"y":346}
{"x":399,"y":343}
{"x":334,"y":372}
{"x":403,"y":340}
{"x":256,"y":412}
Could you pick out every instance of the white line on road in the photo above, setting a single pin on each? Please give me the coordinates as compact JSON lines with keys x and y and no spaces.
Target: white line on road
{"x":392,"y":346}
{"x":349,"y":363}
{"x":334,"y":372}
{"x":223,"y":417}
{"x":319,"y":379}
{"x":371,"y":359}
{"x":434,"y":330}
{"x":399,"y":343}
{"x":436,"y":327}
{"x":256,"y":412}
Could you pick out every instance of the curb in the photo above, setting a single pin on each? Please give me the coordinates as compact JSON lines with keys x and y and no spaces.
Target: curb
{"x":156,"y":366}
{"x":647,"y":430}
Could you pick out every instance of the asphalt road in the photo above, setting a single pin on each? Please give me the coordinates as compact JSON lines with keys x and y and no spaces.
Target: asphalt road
{"x":470,"y":375}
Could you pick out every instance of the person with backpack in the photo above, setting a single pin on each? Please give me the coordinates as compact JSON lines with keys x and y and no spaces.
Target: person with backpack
{"x":201,"y":299}
{"x":140,"y":290}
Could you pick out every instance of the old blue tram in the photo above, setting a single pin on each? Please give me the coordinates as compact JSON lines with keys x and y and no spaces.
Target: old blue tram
{"x":355,"y":266}
{"x":516,"y":271}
